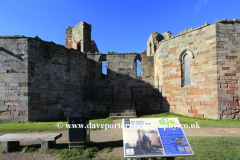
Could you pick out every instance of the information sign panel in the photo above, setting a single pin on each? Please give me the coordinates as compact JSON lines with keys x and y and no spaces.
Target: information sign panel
{"x":154,"y":137}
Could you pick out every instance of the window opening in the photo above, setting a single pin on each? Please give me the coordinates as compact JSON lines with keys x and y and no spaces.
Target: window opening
{"x":186,"y":70}
{"x":138,"y":68}
{"x":150,"y":49}
{"x":79,"y":46}
{"x":104,"y":67}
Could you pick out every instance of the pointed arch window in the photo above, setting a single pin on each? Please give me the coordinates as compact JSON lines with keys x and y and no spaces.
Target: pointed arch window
{"x":138,"y":63}
{"x":185,"y":58}
{"x":186,"y":70}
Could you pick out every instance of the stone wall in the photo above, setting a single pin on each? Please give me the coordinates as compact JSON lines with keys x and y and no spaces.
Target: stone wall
{"x":228,"y":52}
{"x":200,"y":99}
{"x":57,"y":80}
{"x":13,"y":78}
{"x":214,"y":51}
{"x":69,"y":41}
{"x":41,"y":80}
{"x":79,"y":38}
{"x":121,"y":75}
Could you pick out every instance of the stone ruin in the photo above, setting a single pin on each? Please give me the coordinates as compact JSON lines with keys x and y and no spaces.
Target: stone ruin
{"x":195,"y":73}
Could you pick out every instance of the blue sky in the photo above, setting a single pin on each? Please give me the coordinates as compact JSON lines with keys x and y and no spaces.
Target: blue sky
{"x":117,"y":25}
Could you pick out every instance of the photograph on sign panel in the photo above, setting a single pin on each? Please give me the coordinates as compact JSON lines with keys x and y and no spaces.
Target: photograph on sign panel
{"x":180,"y":141}
{"x":142,"y":142}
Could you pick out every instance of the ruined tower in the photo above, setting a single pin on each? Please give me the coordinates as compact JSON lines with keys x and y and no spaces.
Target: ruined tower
{"x":79,"y":38}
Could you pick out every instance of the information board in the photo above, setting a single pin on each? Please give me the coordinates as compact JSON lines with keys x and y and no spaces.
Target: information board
{"x":154,"y":137}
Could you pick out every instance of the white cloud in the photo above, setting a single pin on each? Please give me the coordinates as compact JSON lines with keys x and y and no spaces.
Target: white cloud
{"x":199,"y":4}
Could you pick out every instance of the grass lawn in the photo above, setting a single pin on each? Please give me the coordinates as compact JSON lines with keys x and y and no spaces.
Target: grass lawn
{"x":226,"y":123}
{"x":214,"y":148}
{"x":207,"y":148}
{"x":203,"y":147}
{"x":104,"y":119}
{"x":44,"y":126}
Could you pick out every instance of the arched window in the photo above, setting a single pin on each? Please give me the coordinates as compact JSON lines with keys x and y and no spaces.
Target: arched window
{"x":185,"y":58}
{"x":138,"y":62}
{"x":186,"y":70}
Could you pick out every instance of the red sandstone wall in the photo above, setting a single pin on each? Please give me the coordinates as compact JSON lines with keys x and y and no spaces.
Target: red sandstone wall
{"x":200,"y":99}
{"x":228,"y":51}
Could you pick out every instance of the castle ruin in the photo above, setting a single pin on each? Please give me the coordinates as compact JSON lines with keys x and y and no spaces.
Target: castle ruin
{"x":195,"y":73}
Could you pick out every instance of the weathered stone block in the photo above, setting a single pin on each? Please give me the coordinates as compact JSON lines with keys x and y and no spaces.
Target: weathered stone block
{"x":3,"y":108}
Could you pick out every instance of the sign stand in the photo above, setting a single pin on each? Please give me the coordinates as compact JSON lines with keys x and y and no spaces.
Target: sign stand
{"x":154,"y":137}
{"x":167,"y":158}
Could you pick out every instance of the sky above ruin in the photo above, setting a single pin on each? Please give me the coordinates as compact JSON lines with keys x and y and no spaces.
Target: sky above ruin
{"x":117,"y":25}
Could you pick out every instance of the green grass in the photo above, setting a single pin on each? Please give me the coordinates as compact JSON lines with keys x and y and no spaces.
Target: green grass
{"x":27,"y":149}
{"x":207,"y":148}
{"x":44,"y":126}
{"x":96,"y":119}
{"x":87,"y":154}
{"x":100,"y":122}
{"x":226,"y":123}
{"x":214,"y":148}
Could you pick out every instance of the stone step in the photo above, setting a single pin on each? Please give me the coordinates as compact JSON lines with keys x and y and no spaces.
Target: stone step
{"x":122,"y":100}
{"x":122,"y":104}
{"x":123,"y":111}
{"x":123,"y":114}
{"x":122,"y":108}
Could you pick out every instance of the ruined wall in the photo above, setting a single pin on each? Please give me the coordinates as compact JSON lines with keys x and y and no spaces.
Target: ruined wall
{"x":57,"y":80}
{"x":13,"y":78}
{"x":121,"y":75}
{"x":69,"y":40}
{"x":228,"y":51}
{"x":200,"y":99}
{"x":79,"y":38}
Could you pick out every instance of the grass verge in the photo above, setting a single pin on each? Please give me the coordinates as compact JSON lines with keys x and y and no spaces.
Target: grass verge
{"x":96,"y":121}
{"x":204,"y":122}
{"x":214,"y":148}
{"x":207,"y":148}
{"x":45,"y":126}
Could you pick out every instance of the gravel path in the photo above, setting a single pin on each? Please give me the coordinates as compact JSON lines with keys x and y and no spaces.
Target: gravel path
{"x":110,"y":138}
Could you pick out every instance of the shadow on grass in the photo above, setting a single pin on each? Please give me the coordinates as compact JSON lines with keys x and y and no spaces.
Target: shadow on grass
{"x":94,"y":116}
{"x":140,"y":114}
{"x":108,"y":144}
{"x":99,"y":145}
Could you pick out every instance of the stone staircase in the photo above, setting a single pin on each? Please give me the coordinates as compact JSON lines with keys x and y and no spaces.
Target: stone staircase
{"x":122,"y":107}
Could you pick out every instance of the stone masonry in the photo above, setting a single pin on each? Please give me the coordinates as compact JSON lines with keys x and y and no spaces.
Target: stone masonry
{"x":41,"y":80}
{"x":214,"y":51}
